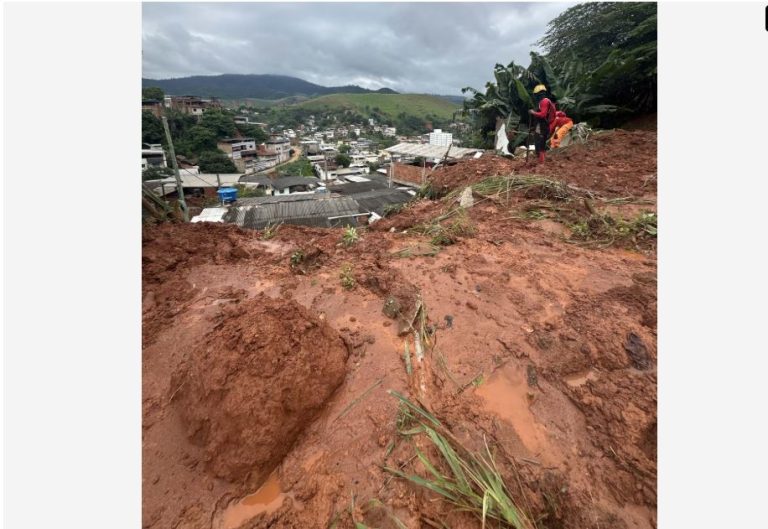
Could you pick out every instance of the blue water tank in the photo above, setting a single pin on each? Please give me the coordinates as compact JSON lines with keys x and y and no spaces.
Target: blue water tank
{"x":227,"y":194}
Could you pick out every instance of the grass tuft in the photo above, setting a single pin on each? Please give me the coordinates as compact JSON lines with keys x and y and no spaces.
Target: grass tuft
{"x":350,"y":236}
{"x":471,"y":482}
{"x":347,"y":278}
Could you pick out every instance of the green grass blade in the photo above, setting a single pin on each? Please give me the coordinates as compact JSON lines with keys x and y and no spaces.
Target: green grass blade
{"x":415,"y":408}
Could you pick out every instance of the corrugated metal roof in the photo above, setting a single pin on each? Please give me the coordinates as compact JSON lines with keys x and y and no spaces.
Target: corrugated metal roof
{"x":315,"y":211}
{"x":378,"y":200}
{"x":255,"y":179}
{"x":210,"y":215}
{"x":428,"y":151}
{"x":290,"y":181}
{"x":357,"y":187}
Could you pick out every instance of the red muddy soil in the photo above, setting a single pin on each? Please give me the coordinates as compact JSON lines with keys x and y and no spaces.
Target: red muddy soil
{"x":544,"y":348}
{"x":615,"y":163}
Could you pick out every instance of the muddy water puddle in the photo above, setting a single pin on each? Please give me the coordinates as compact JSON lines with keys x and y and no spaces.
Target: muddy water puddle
{"x":267,"y":500}
{"x":579,"y":379}
{"x":506,"y":394}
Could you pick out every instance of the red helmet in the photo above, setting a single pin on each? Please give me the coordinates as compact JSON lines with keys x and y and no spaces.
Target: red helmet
{"x":560,"y":114}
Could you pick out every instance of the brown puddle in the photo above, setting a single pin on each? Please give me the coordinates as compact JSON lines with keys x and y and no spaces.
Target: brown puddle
{"x":579,"y":379}
{"x":506,"y":395}
{"x":267,"y":499}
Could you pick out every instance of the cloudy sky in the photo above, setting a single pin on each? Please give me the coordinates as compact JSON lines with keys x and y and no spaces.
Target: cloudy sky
{"x":410,"y":47}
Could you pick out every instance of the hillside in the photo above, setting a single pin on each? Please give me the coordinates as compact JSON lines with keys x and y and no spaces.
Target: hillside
{"x":390,"y":104}
{"x":232,"y":86}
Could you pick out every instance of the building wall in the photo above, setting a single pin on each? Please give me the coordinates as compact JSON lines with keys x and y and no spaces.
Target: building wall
{"x":438,"y":137}
{"x":157,"y":110}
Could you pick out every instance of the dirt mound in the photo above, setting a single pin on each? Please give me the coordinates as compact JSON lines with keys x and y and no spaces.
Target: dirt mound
{"x":258,"y":379}
{"x":467,"y":172}
{"x":415,"y":213}
{"x":618,"y":162}
{"x":613,"y":163}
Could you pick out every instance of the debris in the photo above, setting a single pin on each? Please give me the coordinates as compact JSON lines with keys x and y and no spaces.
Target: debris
{"x":466,"y":200}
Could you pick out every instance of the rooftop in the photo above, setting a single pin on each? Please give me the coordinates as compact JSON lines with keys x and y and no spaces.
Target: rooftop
{"x":376,"y":201}
{"x":290,"y":181}
{"x":305,"y":210}
{"x":236,"y":140}
{"x":429,"y":151}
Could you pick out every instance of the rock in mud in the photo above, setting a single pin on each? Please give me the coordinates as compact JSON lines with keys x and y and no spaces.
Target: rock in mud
{"x":638,"y":353}
{"x":258,"y":379}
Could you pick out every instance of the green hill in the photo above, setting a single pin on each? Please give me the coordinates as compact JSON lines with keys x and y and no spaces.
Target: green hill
{"x":392,"y":105}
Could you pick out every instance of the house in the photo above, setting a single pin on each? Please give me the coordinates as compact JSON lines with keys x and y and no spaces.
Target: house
{"x":155,"y":106}
{"x":153,"y":156}
{"x":234,"y":146}
{"x":406,"y":151}
{"x":389,"y":131}
{"x":319,"y":210}
{"x":194,"y":184}
{"x":193,"y":105}
{"x":278,"y":146}
{"x":265,"y":160}
{"x":345,"y":205}
{"x":310,"y":146}
{"x":252,"y":180}
{"x":294,"y":184}
{"x":438,"y":137}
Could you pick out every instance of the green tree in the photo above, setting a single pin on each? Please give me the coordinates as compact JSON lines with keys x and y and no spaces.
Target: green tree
{"x":590,"y":32}
{"x":344,"y":149}
{"x":199,"y":140}
{"x":151,"y":128}
{"x":222,"y":124}
{"x":252,"y":131}
{"x":608,"y":50}
{"x":216,"y":162}
{"x":155,"y":173}
{"x":152,"y":92}
{"x":343,"y":160}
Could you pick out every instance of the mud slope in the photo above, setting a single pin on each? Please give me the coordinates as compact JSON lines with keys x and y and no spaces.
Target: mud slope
{"x":290,"y":345}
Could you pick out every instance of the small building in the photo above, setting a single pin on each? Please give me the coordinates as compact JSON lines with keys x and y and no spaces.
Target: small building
{"x":294,"y":184}
{"x":265,"y":160}
{"x":193,"y":105}
{"x":279,"y":146}
{"x":153,"y":156}
{"x":438,"y":137}
{"x":155,"y":106}
{"x":235,"y":146}
{"x":315,"y":209}
{"x":310,"y":147}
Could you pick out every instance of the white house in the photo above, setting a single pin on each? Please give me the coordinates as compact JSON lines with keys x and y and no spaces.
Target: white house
{"x":438,"y":137}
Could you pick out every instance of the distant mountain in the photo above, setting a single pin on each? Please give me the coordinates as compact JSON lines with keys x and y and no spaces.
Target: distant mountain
{"x":233,"y":86}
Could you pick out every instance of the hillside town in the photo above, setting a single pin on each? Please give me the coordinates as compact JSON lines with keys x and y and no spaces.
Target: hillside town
{"x":331,"y":158}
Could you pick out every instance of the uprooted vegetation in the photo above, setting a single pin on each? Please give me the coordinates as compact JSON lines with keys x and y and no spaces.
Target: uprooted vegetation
{"x":524,"y":397}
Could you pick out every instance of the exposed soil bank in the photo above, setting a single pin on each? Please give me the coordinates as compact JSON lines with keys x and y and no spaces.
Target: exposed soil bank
{"x":544,"y":348}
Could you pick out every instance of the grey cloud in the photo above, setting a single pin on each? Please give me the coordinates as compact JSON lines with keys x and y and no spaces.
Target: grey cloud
{"x":410,"y":47}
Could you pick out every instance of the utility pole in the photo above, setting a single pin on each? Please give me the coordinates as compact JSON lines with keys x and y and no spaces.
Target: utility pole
{"x":179,"y":187}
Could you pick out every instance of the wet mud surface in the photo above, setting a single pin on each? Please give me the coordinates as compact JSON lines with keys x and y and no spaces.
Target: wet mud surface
{"x":266,"y":382}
